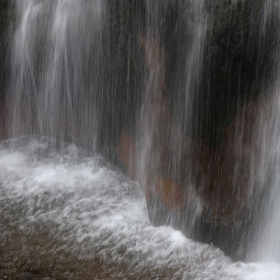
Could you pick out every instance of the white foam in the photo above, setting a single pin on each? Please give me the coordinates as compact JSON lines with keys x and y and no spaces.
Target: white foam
{"x":107,"y":215}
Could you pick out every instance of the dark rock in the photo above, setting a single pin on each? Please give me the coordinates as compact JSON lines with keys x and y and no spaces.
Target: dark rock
{"x":5,"y":17}
{"x":5,"y":14}
{"x":199,"y":180}
{"x":238,"y":62}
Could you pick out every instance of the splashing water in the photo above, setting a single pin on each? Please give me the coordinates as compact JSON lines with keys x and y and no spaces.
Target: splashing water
{"x":101,"y":214}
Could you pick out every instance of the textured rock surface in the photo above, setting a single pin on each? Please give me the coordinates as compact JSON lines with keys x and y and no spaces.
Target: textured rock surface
{"x":209,"y":167}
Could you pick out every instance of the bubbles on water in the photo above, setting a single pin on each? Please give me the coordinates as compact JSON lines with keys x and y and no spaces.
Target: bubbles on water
{"x":100,"y":213}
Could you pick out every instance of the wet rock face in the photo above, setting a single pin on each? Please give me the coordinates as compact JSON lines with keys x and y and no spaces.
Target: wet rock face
{"x":195,"y":167}
{"x":5,"y":12}
{"x":124,"y":72}
{"x":4,"y":27}
{"x":200,"y":179}
{"x":238,"y":62}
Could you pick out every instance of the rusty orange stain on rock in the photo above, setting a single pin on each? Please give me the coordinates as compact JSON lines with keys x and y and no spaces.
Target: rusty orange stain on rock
{"x":127,"y":152}
{"x":170,"y":193}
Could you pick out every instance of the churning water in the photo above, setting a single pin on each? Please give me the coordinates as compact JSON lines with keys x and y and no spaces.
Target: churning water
{"x":99,"y":213}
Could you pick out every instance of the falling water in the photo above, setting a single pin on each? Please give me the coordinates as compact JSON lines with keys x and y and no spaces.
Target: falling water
{"x":123,"y":79}
{"x":173,"y":69}
{"x":266,"y":246}
{"x":56,"y":69}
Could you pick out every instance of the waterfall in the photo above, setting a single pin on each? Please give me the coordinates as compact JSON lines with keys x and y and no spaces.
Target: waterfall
{"x":56,"y":69}
{"x":143,"y":137}
{"x":266,"y":162}
{"x":174,"y":73}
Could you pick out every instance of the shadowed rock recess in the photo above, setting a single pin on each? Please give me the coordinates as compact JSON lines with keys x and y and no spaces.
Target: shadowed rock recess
{"x":175,"y":89}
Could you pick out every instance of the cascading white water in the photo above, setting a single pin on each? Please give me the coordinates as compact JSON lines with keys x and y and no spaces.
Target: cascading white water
{"x":265,"y":161}
{"x":98,"y":215}
{"x":56,"y":69}
{"x":57,"y":76}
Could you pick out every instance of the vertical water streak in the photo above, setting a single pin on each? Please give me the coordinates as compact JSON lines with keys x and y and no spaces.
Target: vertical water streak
{"x":265,"y":162}
{"x":173,"y":51}
{"x":56,"y":69}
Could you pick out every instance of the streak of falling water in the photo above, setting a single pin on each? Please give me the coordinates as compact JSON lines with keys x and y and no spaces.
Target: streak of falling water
{"x":266,"y":246}
{"x":266,"y":163}
{"x":160,"y":155}
{"x":56,"y":69}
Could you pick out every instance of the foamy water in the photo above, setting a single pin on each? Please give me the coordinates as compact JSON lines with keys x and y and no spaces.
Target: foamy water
{"x":103,"y":213}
